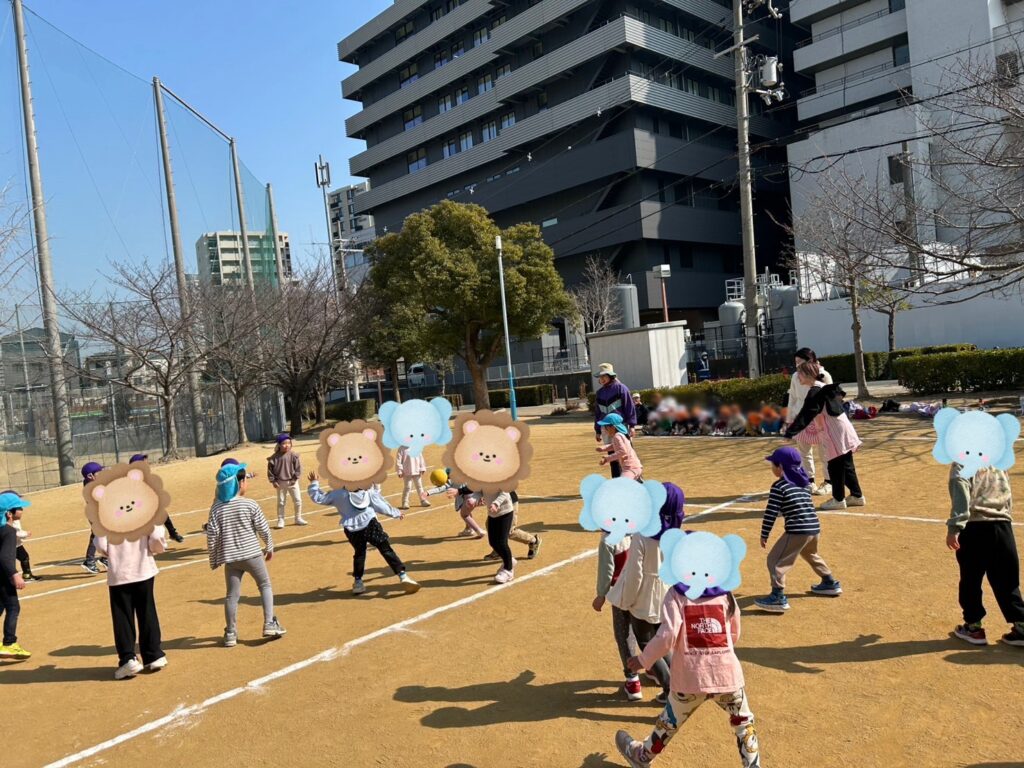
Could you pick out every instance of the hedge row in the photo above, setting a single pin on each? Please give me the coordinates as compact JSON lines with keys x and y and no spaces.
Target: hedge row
{"x":747,"y":393}
{"x":962,"y":371}
{"x":878,"y":366}
{"x":539,"y":394}
{"x":356,"y":409}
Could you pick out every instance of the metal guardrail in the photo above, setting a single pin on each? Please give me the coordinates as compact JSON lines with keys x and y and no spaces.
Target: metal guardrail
{"x":833,"y":85}
{"x":843,"y":28}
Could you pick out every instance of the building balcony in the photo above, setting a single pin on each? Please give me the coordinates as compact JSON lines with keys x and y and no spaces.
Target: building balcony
{"x":806,"y":12}
{"x":849,"y":41}
{"x":377,"y":26}
{"x":847,"y":92}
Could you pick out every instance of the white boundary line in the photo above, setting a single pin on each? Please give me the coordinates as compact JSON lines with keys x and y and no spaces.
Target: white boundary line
{"x":182,"y":712}
{"x":837,"y":512}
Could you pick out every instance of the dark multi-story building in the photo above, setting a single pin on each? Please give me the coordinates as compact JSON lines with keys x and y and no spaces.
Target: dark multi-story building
{"x":609,"y":123}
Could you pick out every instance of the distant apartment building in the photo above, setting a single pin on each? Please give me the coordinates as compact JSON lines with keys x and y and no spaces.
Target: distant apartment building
{"x":25,"y":365}
{"x":350,"y":231}
{"x":220,"y":259}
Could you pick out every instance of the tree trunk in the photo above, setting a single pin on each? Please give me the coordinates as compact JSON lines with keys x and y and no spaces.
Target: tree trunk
{"x":481,"y":396}
{"x":858,"y":344}
{"x":892,"y":330}
{"x":240,"y":418}
{"x":171,"y":428}
{"x":395,"y":382}
{"x":443,"y":376}
{"x":321,"y":408}
{"x":295,"y":416}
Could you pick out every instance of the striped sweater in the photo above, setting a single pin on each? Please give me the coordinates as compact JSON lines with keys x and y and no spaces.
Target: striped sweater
{"x":795,"y":506}
{"x":234,"y":530}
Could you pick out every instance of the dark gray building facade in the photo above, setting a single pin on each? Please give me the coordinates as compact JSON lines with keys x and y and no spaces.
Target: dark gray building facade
{"x":609,"y":123}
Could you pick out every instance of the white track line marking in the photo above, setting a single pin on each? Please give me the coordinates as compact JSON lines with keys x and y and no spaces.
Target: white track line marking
{"x":183,"y":712}
{"x":838,"y":512}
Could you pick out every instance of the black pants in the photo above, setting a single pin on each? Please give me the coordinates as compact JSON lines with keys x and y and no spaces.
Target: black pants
{"x":10,"y":608}
{"x":26,"y":564}
{"x":90,"y":551}
{"x":616,"y":469}
{"x":644,"y":632}
{"x":171,"y":530}
{"x":988,"y":549}
{"x":842,"y":474}
{"x":131,"y":603}
{"x":372,"y":534}
{"x":498,"y":529}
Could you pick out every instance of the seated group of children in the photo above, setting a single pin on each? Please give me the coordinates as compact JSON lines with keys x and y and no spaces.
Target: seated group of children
{"x":667,"y":417}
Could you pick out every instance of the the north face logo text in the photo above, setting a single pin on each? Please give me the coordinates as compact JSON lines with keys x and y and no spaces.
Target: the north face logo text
{"x":705,"y":626}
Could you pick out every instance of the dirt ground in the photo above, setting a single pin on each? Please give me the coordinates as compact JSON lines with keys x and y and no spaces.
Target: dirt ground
{"x":468,"y":675}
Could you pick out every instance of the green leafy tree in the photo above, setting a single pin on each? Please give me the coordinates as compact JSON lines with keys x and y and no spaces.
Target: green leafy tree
{"x":442,"y":269}
{"x":389,"y":330}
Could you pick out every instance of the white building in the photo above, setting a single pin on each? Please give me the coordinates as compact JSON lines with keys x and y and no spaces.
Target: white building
{"x":219,"y":255}
{"x":350,"y":232}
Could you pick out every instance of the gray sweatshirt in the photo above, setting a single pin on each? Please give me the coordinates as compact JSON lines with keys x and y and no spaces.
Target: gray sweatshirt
{"x":985,"y":497}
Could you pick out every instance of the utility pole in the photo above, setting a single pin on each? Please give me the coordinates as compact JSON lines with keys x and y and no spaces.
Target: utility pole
{"x":194,"y":395}
{"x":768,"y":91}
{"x":910,"y":215}
{"x":323,"y":180}
{"x":55,"y":358}
{"x":504,"y":320}
{"x":242,"y":232}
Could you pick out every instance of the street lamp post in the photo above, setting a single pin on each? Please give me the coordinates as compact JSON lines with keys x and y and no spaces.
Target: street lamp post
{"x":504,"y":320}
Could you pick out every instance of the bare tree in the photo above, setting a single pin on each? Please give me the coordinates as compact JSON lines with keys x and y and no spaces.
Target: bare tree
{"x":594,"y":297}
{"x":886,"y":300}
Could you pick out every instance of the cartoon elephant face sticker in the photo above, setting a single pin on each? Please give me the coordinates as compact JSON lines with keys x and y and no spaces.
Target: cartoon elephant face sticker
{"x":125,"y":502}
{"x":700,"y":560}
{"x":975,"y":439}
{"x":416,"y":424}
{"x":352,"y":456}
{"x":621,"y":506}
{"x":490,"y":452}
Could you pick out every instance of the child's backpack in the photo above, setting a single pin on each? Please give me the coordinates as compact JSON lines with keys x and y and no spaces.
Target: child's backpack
{"x":835,"y":400}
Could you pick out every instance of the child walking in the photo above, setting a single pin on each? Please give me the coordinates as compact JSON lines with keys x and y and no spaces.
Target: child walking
{"x":411,"y":470}
{"x":10,"y":580}
{"x":790,"y":497}
{"x":358,"y":511}
{"x":238,"y":537}
{"x":284,"y":470}
{"x":823,"y":422}
{"x":617,"y":447}
{"x":517,"y":534}
{"x":610,"y":562}
{"x":168,"y":524}
{"x":640,"y":592}
{"x":131,"y":573}
{"x":700,"y":636}
{"x":500,"y":516}
{"x":980,"y":532}
{"x":91,"y":564}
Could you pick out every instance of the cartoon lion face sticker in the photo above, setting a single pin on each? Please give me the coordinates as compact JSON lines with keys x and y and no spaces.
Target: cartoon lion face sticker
{"x":352,"y":455}
{"x":490,"y":452}
{"x":125,"y":502}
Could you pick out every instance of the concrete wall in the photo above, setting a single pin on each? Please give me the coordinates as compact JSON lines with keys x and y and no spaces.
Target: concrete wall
{"x":985,"y":321}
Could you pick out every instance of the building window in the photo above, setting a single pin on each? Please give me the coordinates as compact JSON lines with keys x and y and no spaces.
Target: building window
{"x":512,"y":171}
{"x":412,"y":117}
{"x":901,"y":55}
{"x":685,"y":258}
{"x":538,"y":49}
{"x":408,"y":74}
{"x":661,"y":191}
{"x":451,"y":147}
{"x":440,"y":59}
{"x":445,"y":103}
{"x":508,"y":120}
{"x":462,"y":95}
{"x":498,"y":22}
{"x":451,"y":5}
{"x":1007,"y":69}
{"x":484,"y":83}
{"x":458,"y":49}
{"x":548,"y":223}
{"x":488,"y":132}
{"x":436,"y":14}
{"x":502,"y":71}
{"x":897,"y":5}
{"x":542,"y":101}
{"x":416,"y":160}
{"x":481,"y":36}
{"x":404,"y":31}
{"x":895,"y":169}
{"x":465,"y":140}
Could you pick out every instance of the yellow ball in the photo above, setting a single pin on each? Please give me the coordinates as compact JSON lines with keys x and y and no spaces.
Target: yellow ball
{"x":439,"y":477}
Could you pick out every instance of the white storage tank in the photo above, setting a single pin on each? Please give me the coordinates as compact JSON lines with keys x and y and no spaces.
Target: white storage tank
{"x":629,"y":303}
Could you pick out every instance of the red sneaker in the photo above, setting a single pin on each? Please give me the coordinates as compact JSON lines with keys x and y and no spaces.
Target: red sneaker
{"x":971,"y":633}
{"x":634,"y":691}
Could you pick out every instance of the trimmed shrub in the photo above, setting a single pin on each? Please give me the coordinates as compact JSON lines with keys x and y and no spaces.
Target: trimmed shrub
{"x":968,"y":371}
{"x":356,"y":409}
{"x":539,"y":394}
{"x":878,"y":366}
{"x":747,"y":393}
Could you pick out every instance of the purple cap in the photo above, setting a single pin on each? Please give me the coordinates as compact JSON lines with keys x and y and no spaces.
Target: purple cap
{"x":791,"y":461}
{"x":138,"y":457}
{"x":228,"y":461}
{"x":282,"y":437}
{"x":91,"y":468}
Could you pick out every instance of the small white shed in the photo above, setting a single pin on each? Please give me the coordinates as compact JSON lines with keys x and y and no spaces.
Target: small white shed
{"x":647,"y":357}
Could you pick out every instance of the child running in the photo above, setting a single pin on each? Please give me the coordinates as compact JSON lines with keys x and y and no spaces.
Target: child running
{"x":411,"y":469}
{"x":517,"y":534}
{"x":980,"y":532}
{"x":171,"y":530}
{"x":500,"y":517}
{"x":284,"y":471}
{"x":610,"y":561}
{"x":790,"y":496}
{"x":640,"y":592}
{"x":10,"y":580}
{"x":233,"y":537}
{"x":617,"y":448}
{"x":700,"y":636}
{"x":822,"y":421}
{"x":358,"y":511}
{"x":14,"y":520}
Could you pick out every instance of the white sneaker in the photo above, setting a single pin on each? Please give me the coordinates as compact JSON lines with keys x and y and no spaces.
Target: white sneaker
{"x":503,"y":576}
{"x":300,"y":521}
{"x":833,"y":504}
{"x":358,"y":588}
{"x":273,"y":628}
{"x":409,"y":584}
{"x":856,"y":501}
{"x":156,"y":666}
{"x":825,"y":489}
{"x":280,"y":523}
{"x":230,"y":639}
{"x":130,"y":668}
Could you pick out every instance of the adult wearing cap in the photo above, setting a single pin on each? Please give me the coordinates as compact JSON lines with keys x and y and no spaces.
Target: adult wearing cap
{"x":10,"y":580}
{"x":703,"y":368}
{"x":612,"y":397}
{"x":171,"y":530}
{"x":89,"y":565}
{"x":238,"y":538}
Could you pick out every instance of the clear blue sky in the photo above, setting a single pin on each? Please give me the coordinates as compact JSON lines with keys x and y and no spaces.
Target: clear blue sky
{"x":265,"y":71}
